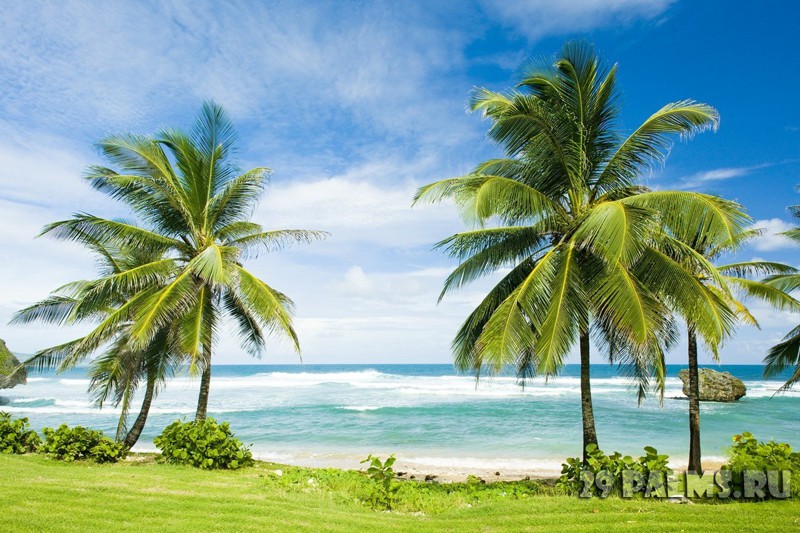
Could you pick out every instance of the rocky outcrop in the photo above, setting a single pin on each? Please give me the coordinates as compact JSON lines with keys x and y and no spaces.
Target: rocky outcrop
{"x":9,"y":363}
{"x":715,"y":386}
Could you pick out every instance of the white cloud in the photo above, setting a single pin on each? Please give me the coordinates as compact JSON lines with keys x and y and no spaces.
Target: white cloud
{"x":771,"y":240}
{"x":701,"y":179}
{"x":353,"y":105}
{"x":539,"y":18}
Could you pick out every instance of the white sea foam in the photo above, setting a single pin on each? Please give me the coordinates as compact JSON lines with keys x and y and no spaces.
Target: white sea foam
{"x":362,"y":408}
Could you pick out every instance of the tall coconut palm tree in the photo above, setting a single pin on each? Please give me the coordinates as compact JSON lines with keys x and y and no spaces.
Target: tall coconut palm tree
{"x":119,"y":370}
{"x":570,"y":217}
{"x":724,"y":293}
{"x":194,"y":208}
{"x":786,"y":354}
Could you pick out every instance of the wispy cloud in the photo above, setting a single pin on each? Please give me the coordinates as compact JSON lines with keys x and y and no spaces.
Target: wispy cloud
{"x":354,"y":105}
{"x":539,"y":18}
{"x":701,"y":179}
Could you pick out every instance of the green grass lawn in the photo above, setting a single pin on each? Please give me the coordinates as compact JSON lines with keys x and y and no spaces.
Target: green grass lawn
{"x":39,"y":494}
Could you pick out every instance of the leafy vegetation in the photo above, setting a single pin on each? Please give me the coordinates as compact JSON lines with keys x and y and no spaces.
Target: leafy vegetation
{"x":145,"y":496}
{"x":118,"y":372}
{"x":723,"y":292}
{"x":382,"y":475}
{"x":609,"y":469}
{"x":750,"y":454}
{"x":348,"y":486}
{"x":786,"y":354}
{"x":590,"y":248}
{"x":203,"y":444}
{"x":77,"y":443}
{"x":16,"y":435}
{"x":193,"y":206}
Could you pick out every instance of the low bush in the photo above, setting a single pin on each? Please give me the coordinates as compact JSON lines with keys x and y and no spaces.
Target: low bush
{"x":72,"y":444}
{"x":579,"y":477}
{"x":16,"y":435}
{"x":748,"y":454}
{"x":203,"y":444}
{"x":381,"y":473}
{"x":408,"y":495}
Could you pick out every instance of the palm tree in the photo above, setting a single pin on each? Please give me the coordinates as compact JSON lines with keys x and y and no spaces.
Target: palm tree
{"x":786,"y":354}
{"x":194,"y":207}
{"x":725,"y":303}
{"x":575,"y":226}
{"x":118,"y":372}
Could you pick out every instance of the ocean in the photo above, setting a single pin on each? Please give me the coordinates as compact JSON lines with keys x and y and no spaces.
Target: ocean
{"x":334,"y":415}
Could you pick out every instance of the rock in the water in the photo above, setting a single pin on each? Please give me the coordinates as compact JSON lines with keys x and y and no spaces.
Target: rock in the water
{"x":9,"y":363}
{"x":715,"y":386}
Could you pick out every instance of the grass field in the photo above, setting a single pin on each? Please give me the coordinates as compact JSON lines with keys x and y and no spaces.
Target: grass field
{"x":38,"y":494}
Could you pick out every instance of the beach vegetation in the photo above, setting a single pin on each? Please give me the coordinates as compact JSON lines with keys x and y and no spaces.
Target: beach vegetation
{"x":16,"y":436}
{"x":786,"y":354}
{"x":566,"y":212}
{"x":193,"y":207}
{"x":122,"y":366}
{"x":722,"y":294}
{"x":381,"y":473}
{"x":148,"y":496}
{"x":603,"y":475}
{"x":203,"y":444}
{"x":81,"y":443}
{"x":772,"y":458}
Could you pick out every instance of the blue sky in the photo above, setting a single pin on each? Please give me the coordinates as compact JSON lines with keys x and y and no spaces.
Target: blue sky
{"x":354,"y":105}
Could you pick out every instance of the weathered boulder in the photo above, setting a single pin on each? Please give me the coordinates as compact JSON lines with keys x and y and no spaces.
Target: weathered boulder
{"x":9,"y":363}
{"x":715,"y":386}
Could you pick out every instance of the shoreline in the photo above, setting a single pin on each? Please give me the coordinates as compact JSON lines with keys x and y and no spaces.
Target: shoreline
{"x":439,"y":469}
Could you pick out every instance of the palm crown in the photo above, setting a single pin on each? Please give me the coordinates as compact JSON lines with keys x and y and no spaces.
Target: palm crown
{"x":587,"y":244}
{"x":194,"y":206}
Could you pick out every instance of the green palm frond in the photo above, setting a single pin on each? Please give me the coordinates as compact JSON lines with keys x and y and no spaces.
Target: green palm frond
{"x":650,"y":143}
{"x":755,"y":268}
{"x":269,"y":307}
{"x":782,"y":356}
{"x":694,"y":218}
{"x":512,"y":327}
{"x":275,"y":240}
{"x":784,"y":282}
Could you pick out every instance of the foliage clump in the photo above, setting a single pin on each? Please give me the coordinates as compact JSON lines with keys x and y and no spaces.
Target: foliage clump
{"x":16,"y":435}
{"x":771,"y":458}
{"x":747,"y":453}
{"x":203,"y":444}
{"x":381,"y":473}
{"x":77,"y":443}
{"x":407,"y":496}
{"x":578,"y":477}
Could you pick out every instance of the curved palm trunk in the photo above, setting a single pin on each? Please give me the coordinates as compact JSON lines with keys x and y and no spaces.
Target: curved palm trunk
{"x":205,"y":388}
{"x":136,"y":430}
{"x":695,"y":462}
{"x":587,"y":413}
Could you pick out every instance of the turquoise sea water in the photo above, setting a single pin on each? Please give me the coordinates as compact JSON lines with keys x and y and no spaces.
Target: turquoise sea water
{"x":426,"y":414}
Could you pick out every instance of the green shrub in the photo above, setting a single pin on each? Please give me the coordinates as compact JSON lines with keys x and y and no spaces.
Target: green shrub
{"x":203,"y":444}
{"x":410,"y":496}
{"x":71,"y":444}
{"x":611,"y":467}
{"x":16,"y":436}
{"x":381,"y":473}
{"x":747,"y":453}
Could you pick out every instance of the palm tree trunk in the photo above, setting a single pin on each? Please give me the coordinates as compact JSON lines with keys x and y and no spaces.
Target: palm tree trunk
{"x":136,"y":430}
{"x":695,"y":462}
{"x":589,"y":431}
{"x":205,"y":388}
